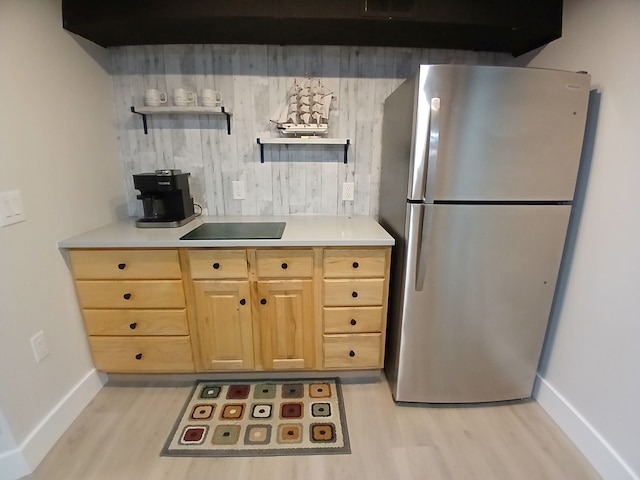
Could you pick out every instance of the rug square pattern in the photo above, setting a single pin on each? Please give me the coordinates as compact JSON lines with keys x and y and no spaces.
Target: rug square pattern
{"x":231,"y":419}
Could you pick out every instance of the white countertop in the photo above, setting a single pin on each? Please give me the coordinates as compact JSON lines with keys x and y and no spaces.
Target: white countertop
{"x":300,"y":230}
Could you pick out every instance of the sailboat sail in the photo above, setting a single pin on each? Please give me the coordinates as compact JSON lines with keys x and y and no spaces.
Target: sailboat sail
{"x":306,"y":108}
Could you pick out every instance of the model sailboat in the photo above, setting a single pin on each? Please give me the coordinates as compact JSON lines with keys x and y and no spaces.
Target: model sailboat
{"x":305,"y":111}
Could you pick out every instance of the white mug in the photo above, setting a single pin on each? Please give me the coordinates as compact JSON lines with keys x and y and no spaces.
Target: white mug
{"x":182,"y":97}
{"x":211,"y":98}
{"x":154,"y":97}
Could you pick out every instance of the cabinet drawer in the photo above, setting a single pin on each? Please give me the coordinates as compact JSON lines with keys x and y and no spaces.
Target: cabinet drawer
{"x":353,"y":351}
{"x":136,"y":322}
{"x":352,"y":320}
{"x":284,"y":263}
{"x":214,"y":263}
{"x":368,"y":291}
{"x":142,"y":354}
{"x":356,"y":263}
{"x":125,"y":264}
{"x":131,"y":294}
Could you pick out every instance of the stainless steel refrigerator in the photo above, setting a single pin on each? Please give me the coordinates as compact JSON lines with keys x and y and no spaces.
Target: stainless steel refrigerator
{"x":479,"y":167}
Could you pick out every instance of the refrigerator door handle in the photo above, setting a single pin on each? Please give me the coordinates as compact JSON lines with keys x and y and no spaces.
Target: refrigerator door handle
{"x":420,"y":220}
{"x":434,"y":142}
{"x":424,"y":147}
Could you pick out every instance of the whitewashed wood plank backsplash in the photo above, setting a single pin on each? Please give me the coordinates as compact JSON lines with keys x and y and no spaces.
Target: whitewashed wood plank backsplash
{"x":253,"y":80}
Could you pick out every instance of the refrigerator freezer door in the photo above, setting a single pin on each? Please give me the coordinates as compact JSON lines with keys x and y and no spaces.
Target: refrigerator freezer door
{"x":502,"y":133}
{"x":478,"y":285}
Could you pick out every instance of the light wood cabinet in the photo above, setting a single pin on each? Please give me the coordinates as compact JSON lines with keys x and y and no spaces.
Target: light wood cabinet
{"x":217,"y":263}
{"x":130,"y":293}
{"x":134,"y":309}
{"x":286,"y":319}
{"x":279,"y":263}
{"x":234,"y":309}
{"x":265,"y":322}
{"x":353,"y":319}
{"x":150,"y":322}
{"x":218,"y":280}
{"x":126,"y":264}
{"x":352,"y":351}
{"x":355,"y":262}
{"x":285,"y":307}
{"x":142,"y":354}
{"x":224,"y":328}
{"x":355,"y":291}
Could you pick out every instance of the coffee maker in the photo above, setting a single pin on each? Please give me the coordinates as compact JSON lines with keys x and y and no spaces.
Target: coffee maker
{"x":166,"y":199}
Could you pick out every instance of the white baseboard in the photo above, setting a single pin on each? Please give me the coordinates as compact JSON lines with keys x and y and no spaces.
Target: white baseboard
{"x":13,"y":465}
{"x":24,"y":459}
{"x":608,"y":463}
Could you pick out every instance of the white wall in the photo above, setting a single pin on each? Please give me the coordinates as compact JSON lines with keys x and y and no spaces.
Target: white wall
{"x":590,"y":367}
{"x":253,"y":81}
{"x":58,"y":147}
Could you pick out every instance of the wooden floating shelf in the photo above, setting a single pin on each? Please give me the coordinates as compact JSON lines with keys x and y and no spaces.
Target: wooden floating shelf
{"x":303,"y":141}
{"x":144,"y":111}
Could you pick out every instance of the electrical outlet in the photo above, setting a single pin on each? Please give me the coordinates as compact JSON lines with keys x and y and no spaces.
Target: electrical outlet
{"x":238,"y":190}
{"x":39,"y":346}
{"x":348,"y":191}
{"x":11,"y":208}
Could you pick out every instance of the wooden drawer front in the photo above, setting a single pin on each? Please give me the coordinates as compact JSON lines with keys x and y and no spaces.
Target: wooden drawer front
{"x":131,"y":294}
{"x":142,"y":354}
{"x":355,"y":263}
{"x":368,"y":291}
{"x":284,"y":263}
{"x":352,"y":319}
{"x":353,"y":351}
{"x":214,"y":263}
{"x":125,"y":264}
{"x":136,"y":322}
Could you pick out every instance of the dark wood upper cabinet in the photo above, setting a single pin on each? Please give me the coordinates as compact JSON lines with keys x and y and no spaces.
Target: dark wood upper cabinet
{"x":492,"y":25}
{"x":391,"y":8}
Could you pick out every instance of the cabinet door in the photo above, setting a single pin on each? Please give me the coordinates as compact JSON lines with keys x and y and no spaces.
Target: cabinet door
{"x":285,"y":309}
{"x":223,"y":310}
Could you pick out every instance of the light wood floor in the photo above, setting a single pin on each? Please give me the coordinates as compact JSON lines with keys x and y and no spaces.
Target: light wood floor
{"x":120,"y":434}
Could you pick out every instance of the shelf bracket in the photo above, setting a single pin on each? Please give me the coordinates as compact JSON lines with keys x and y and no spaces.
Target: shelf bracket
{"x":261,"y":150}
{"x":228,"y":115}
{"x":346,"y":148}
{"x":144,"y":119}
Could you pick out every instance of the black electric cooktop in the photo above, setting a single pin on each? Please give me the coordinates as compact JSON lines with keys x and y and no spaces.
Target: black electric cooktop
{"x":236,"y":231}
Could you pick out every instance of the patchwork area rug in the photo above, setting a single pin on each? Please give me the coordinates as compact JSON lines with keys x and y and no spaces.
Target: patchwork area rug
{"x":238,"y":419}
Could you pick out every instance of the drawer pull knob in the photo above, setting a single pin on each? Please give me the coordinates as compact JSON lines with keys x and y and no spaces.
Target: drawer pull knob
{"x":122,"y":266}
{"x":352,"y":353}
{"x":263,"y":301}
{"x":139,"y":356}
{"x":133,"y":325}
{"x":216,"y":266}
{"x":354,"y":294}
{"x":353,"y":321}
{"x":284,"y":266}
{"x":356,"y":264}
{"x":126,"y":296}
{"x":242,"y":301}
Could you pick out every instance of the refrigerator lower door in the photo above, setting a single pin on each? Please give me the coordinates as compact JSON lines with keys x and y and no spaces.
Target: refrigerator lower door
{"x":478,"y":284}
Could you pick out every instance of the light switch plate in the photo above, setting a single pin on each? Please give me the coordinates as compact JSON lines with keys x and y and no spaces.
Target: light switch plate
{"x":39,"y":346}
{"x":11,"y":208}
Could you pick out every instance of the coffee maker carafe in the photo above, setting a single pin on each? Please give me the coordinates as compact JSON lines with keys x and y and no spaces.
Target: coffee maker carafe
{"x":166,"y":200}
